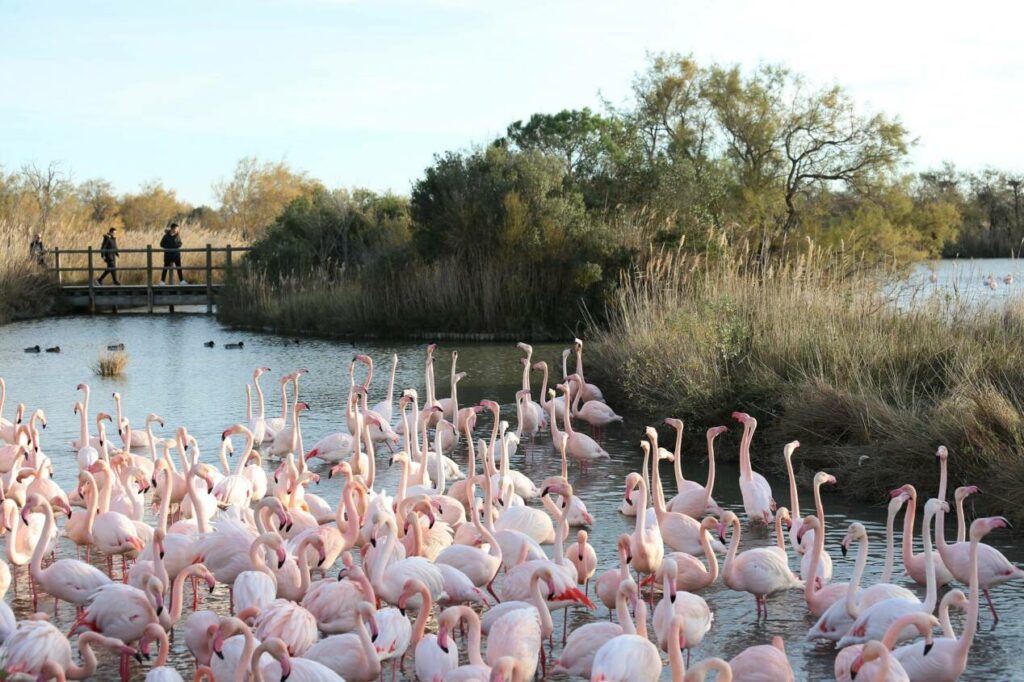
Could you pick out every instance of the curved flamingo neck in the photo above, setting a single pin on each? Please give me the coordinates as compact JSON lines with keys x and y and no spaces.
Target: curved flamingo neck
{"x":677,"y":462}
{"x":473,"y":620}
{"x":420,"y":625}
{"x":544,"y":400}
{"x":197,"y":507}
{"x":728,"y":567}
{"x":971,"y":625}
{"x":178,"y":591}
{"x":541,"y":604}
{"x":675,"y":654}
{"x":908,"y":529}
{"x":709,"y":485}
{"x":259,"y":393}
{"x":858,"y":573}
{"x":556,"y":434}
{"x":961,"y":523}
{"x":623,"y":614}
{"x":746,"y":470}
{"x":940,"y":534}
{"x":794,"y":498}
{"x":36,"y":566}
{"x":889,"y":545}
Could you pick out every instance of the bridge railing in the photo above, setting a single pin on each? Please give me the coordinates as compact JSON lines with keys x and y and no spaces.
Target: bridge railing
{"x":204,"y":267}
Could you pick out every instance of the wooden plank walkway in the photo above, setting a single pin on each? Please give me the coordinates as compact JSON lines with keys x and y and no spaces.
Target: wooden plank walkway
{"x":80,"y":292}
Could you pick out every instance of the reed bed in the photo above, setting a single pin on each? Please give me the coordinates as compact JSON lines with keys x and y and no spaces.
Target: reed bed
{"x":816,"y":350}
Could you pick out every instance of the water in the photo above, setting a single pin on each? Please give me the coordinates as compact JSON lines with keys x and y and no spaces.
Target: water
{"x":963,"y":281}
{"x":173,"y":374}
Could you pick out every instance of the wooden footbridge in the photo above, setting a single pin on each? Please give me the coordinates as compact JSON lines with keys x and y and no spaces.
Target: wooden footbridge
{"x":205,"y":270}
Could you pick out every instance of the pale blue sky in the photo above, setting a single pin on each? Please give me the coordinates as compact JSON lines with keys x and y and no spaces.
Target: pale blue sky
{"x":365,"y":92}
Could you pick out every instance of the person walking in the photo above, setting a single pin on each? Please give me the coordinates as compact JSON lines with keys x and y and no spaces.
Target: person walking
{"x":171,"y":244}
{"x":109,"y":253}
{"x":37,"y":250}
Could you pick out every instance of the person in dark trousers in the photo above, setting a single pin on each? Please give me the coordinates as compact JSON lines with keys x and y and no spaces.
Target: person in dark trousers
{"x":37,"y":250}
{"x":171,"y":244}
{"x":109,"y":252}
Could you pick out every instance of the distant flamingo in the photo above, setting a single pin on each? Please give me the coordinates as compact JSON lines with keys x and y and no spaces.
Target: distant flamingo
{"x":692,"y":498}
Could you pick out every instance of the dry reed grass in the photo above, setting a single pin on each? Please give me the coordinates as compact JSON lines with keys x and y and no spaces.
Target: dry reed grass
{"x":816,"y":351}
{"x":111,"y":363}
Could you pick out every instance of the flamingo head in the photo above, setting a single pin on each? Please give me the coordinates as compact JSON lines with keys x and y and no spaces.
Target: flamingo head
{"x":540,"y":365}
{"x":676,"y":424}
{"x":941,"y":454}
{"x":904,"y":492}
{"x":742,"y":417}
{"x":490,"y":405}
{"x":965,"y":490}
{"x":822,"y":478}
{"x":716,"y":431}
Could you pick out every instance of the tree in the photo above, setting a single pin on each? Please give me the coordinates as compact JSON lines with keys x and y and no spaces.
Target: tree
{"x":97,"y":195}
{"x":574,"y":135}
{"x":153,"y":207}
{"x":257,"y":193}
{"x":48,"y":186}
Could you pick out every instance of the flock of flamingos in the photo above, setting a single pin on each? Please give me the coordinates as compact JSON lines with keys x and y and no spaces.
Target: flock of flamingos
{"x":466,"y":537}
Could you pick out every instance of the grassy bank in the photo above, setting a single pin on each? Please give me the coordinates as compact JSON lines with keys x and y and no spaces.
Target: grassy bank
{"x":817,"y":354}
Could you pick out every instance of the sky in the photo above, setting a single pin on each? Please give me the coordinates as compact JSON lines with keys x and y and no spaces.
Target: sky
{"x":365,"y":92}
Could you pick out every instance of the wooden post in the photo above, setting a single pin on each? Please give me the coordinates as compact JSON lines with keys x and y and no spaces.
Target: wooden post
{"x":149,"y":278}
{"x":228,"y":264}
{"x":56,"y":264}
{"x":92,"y":283}
{"x":209,"y":279}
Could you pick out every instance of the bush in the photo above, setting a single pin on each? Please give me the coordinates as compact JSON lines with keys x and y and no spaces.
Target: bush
{"x":111,"y":363}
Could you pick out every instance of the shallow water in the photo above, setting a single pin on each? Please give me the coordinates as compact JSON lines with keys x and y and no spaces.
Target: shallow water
{"x":173,"y":374}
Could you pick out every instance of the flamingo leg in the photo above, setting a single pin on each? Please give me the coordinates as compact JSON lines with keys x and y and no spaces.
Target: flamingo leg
{"x":991,"y":606}
{"x":565,"y":625}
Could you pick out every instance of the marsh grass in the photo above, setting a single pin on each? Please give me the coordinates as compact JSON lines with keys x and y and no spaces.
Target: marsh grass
{"x":816,"y":350}
{"x":446,"y":297}
{"x":111,"y":363}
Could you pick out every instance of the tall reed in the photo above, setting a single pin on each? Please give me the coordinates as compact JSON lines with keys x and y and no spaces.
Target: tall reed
{"x":816,"y":349}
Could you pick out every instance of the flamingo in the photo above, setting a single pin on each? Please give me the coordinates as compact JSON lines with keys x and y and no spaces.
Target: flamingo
{"x":594,"y":412}
{"x":915,"y":564}
{"x":333,"y":602}
{"x":757,"y":493}
{"x":351,"y":656}
{"x":577,"y":659}
{"x":520,"y":629}
{"x":123,"y":612}
{"x":534,"y":417}
{"x":258,"y":587}
{"x":850,"y":662}
{"x":385,"y":407}
{"x":874,"y":621}
{"x":590,"y":391}
{"x":580,"y":446}
{"x":584,"y":558}
{"x":837,"y":618}
{"x":548,"y":403}
{"x":258,"y":424}
{"x":692,"y":575}
{"x":947,"y":659}
{"x":389,"y":577}
{"x":645,"y":544}
{"x":68,"y":579}
{"x":37,"y":642}
{"x":681,"y":533}
{"x":288,"y":621}
{"x":692,"y":498}
{"x":760,"y":571}
{"x":763,"y":662}
{"x":629,"y":657}
{"x":993,"y":568}
{"x":132,"y":439}
{"x":477,"y":669}
{"x":693,"y":610}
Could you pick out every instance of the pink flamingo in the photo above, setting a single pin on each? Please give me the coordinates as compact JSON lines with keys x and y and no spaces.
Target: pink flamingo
{"x":760,"y":571}
{"x":850,"y":662}
{"x":873,"y":622}
{"x":477,"y":669}
{"x":609,"y":581}
{"x":681,"y":533}
{"x":584,"y":558}
{"x":763,"y":662}
{"x":757,"y":493}
{"x":629,"y":657}
{"x":838,"y":618}
{"x":577,"y":659}
{"x":123,"y":612}
{"x":947,"y":659}
{"x":645,"y":544}
{"x":36,"y":642}
{"x":258,"y":587}
{"x":288,"y":621}
{"x":692,"y":609}
{"x":993,"y":568}
{"x":692,"y":498}
{"x":590,"y":391}
{"x":580,"y":446}
{"x":258,"y":423}
{"x":160,"y":672}
{"x":915,"y":564}
{"x":68,"y":579}
{"x":352,"y":656}
{"x":284,"y":666}
{"x":520,"y":632}
{"x":692,"y":575}
{"x":594,"y":412}
{"x":333,"y":602}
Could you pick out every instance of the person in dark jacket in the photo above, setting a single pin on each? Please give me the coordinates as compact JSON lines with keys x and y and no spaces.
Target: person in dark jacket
{"x":109,"y":253}
{"x":37,"y":249}
{"x":171,"y":244}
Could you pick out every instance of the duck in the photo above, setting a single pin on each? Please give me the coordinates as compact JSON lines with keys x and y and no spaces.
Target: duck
{"x":54,"y":349}
{"x":116,"y":346}
{"x":33,"y":349}
{"x":240,"y":344}
{"x":209,"y":344}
